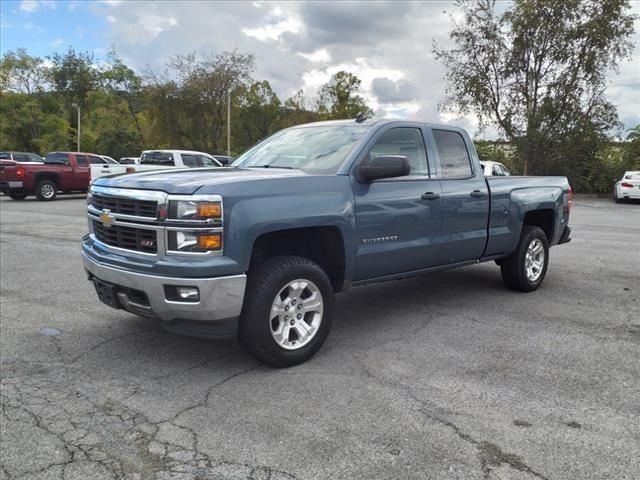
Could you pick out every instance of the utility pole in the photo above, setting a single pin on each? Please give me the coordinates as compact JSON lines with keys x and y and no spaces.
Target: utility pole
{"x":229,"y":122}
{"x":77,"y":107}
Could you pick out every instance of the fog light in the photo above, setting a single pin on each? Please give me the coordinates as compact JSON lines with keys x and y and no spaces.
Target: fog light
{"x":177,"y":293}
{"x":188,"y":293}
{"x":210,"y":242}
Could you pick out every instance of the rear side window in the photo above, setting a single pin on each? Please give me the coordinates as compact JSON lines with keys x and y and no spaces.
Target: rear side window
{"x":20,"y":157}
{"x":56,"y":158}
{"x":454,"y":158}
{"x":5,"y":156}
{"x":157,"y":158}
{"x":189,"y":160}
{"x":81,"y":160}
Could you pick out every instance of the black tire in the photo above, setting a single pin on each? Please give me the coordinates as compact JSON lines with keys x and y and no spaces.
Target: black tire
{"x":513,"y":268}
{"x":43,"y":190}
{"x":17,"y":194}
{"x":264,"y":284}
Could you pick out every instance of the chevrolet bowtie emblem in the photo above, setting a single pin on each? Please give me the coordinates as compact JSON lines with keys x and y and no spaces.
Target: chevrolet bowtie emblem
{"x":106,"y":218}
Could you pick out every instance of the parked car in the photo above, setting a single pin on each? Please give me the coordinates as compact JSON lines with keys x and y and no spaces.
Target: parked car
{"x":159,"y":160}
{"x":21,"y":157}
{"x":494,"y":169}
{"x":628,"y":187}
{"x":67,"y":172}
{"x":224,"y":159}
{"x":129,"y":160}
{"x":259,"y":250}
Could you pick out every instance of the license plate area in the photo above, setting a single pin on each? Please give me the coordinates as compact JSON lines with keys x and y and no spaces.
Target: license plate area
{"x":107,"y":293}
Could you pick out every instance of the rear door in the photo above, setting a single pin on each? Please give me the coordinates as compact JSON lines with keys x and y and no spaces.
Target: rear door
{"x":82,"y":172}
{"x":465,"y":198}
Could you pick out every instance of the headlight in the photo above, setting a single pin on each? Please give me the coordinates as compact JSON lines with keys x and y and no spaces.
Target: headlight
{"x":194,"y":210}
{"x":194,"y":242}
{"x":89,"y":197}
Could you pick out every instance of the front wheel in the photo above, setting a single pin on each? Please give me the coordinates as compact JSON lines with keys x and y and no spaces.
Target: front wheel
{"x":525,"y":269}
{"x":288,"y":311}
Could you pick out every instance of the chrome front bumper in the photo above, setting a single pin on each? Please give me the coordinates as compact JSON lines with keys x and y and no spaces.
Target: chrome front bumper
{"x":221,"y":298}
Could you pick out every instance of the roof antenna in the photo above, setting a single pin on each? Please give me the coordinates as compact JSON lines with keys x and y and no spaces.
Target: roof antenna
{"x":360,"y":117}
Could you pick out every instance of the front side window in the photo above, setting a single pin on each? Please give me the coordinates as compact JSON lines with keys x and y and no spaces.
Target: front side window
{"x":205,"y":161}
{"x":315,"y":149}
{"x":189,"y":160}
{"x":96,"y":160}
{"x":453,"y":155}
{"x":407,"y":142}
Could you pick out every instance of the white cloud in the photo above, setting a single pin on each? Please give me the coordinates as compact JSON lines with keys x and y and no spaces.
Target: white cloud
{"x":111,"y":19}
{"x":57,"y":42}
{"x":273,"y":31}
{"x":319,"y":56}
{"x":31,"y":6}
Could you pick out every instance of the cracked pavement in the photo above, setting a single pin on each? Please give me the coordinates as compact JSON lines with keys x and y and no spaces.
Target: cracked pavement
{"x":447,"y":376}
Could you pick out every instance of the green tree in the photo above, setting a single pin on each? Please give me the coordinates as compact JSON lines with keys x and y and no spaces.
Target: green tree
{"x":537,"y":72}
{"x":256,"y":111}
{"x":339,"y":98}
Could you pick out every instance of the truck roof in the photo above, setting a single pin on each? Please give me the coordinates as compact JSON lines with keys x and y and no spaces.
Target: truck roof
{"x":378,"y":121}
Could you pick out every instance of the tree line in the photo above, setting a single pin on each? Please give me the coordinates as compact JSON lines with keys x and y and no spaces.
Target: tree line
{"x":537,"y":71}
{"x":183,"y":105}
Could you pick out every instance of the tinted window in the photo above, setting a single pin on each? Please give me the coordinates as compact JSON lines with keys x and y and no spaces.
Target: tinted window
{"x":20,"y":157}
{"x":189,"y":160}
{"x":34,"y":158}
{"x":5,"y":156}
{"x":206,"y":161}
{"x":505,"y":171}
{"x":454,"y":158}
{"x":406,"y":142}
{"x":157,"y":158}
{"x":56,"y":158}
{"x":81,"y":160}
{"x":127,"y":161}
{"x":497,"y":171}
{"x":96,"y":160}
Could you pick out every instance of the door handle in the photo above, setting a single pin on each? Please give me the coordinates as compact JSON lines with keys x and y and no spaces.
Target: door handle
{"x":477,"y":194}
{"x":430,"y":196}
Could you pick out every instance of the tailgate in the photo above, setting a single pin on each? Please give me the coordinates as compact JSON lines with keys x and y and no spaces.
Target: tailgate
{"x":107,"y":169}
{"x":7,"y":170}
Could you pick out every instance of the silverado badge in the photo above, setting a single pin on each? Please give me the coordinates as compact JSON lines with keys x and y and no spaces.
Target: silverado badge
{"x":106,"y":218}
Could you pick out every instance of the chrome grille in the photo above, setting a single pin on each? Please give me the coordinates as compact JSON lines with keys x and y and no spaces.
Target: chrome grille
{"x":131,"y":238}
{"x":125,"y":206}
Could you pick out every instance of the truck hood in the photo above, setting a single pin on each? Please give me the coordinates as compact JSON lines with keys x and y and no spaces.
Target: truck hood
{"x":188,"y":181}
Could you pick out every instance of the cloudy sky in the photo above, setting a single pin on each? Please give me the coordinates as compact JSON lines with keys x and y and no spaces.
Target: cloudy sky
{"x":296,"y":45}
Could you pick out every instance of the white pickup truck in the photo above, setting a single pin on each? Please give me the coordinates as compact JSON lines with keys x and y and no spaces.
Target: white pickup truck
{"x":157,"y":160}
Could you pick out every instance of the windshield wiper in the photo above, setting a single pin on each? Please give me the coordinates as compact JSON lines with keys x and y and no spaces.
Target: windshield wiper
{"x":270,"y":166}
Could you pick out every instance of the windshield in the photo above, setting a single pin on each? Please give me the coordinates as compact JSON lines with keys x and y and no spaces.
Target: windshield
{"x":318,"y":149}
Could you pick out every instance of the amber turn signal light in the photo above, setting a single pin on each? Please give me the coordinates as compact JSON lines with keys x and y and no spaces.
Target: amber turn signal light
{"x":209,"y":210}
{"x":212,"y":241}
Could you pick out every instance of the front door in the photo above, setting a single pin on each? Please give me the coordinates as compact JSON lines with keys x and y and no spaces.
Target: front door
{"x":465,"y":199}
{"x":398,"y":219}
{"x":82,"y":172}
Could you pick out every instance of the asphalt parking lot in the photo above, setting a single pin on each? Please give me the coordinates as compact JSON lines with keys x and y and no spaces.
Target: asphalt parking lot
{"x":447,"y":376}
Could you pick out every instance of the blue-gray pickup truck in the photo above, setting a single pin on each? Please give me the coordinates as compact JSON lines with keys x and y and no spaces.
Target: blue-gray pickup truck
{"x":258,"y":250}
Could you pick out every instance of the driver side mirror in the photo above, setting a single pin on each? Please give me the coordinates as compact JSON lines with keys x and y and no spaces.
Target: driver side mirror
{"x":384,"y":166}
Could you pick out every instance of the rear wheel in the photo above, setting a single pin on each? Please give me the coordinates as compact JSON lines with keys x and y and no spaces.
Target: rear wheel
{"x":288,"y":311}
{"x":525,"y":269}
{"x":17,"y":194}
{"x":46,"y":190}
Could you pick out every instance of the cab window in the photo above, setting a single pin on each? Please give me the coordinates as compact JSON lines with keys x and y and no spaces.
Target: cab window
{"x":453,"y":155}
